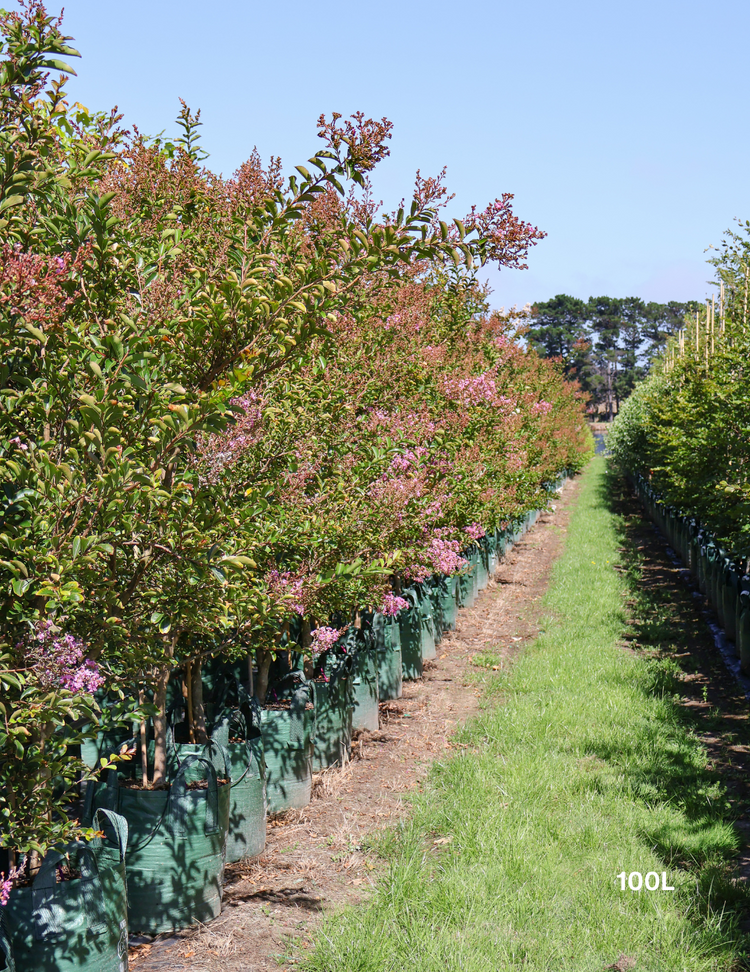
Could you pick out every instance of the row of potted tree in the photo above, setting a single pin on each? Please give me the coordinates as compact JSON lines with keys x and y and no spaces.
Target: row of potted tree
{"x":242,"y":422}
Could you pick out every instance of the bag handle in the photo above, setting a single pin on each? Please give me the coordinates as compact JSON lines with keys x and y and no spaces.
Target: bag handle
{"x":222,"y":751}
{"x":119,"y":825}
{"x":178,"y":803}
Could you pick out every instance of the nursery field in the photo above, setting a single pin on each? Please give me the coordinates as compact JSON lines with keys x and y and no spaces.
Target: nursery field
{"x":327,"y":855}
{"x":602,"y":754}
{"x":558,"y":740}
{"x":281,"y":495}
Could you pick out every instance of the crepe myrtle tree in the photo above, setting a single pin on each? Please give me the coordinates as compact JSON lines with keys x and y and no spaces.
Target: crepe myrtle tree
{"x":140,"y":297}
{"x":383,"y":449}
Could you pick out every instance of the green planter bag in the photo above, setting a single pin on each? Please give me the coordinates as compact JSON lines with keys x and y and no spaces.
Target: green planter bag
{"x":483,"y":565}
{"x":333,"y":716}
{"x":446,"y":592}
{"x":701,"y":568}
{"x":288,"y":735}
{"x":364,"y":683}
{"x":246,"y":833}
{"x":711,"y":568}
{"x":175,"y":860}
{"x":410,"y":631}
{"x":475,"y":570}
{"x":492,"y":553}
{"x":729,"y":588}
{"x":433,"y":591}
{"x":387,"y":635}
{"x":743,"y":631}
{"x":427,"y":622}
{"x":246,"y":836}
{"x":78,"y":925}
{"x":465,"y":588}
{"x":6,"y":954}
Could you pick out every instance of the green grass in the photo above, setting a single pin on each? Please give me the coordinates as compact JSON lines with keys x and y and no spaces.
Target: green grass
{"x":585,"y":768}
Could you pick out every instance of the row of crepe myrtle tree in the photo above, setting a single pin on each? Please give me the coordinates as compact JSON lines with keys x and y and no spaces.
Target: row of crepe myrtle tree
{"x":226,"y":404}
{"x":607,"y":344}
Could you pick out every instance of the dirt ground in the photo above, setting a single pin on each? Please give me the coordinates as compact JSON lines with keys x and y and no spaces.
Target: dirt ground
{"x":316,"y":859}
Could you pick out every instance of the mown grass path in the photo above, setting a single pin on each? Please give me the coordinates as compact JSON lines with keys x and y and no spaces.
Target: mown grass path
{"x":582,"y":767}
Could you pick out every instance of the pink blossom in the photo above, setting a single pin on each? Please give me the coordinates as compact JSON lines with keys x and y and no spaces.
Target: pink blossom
{"x":287,"y":589}
{"x":59,"y":660}
{"x":541,"y":408}
{"x":444,"y":556}
{"x":6,"y":883}
{"x":475,"y":531}
{"x":472,"y":390}
{"x":223,"y":449}
{"x":392,"y":604}
{"x":324,"y":638}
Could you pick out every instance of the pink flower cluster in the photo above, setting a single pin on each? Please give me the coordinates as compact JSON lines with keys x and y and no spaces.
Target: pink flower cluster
{"x":475,"y":531}
{"x":471,"y":391}
{"x":444,"y":556}
{"x":59,"y":659}
{"x":221,"y":450}
{"x":392,"y":604}
{"x":541,"y":408}
{"x":6,"y":883}
{"x":324,"y":638}
{"x":407,"y":459}
{"x":287,"y":589}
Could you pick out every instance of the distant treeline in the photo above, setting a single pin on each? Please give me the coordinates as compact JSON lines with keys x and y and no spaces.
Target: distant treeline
{"x":606,"y":343}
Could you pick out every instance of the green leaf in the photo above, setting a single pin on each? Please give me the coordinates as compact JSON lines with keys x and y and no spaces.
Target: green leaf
{"x":57,"y":65}
{"x":10,"y":201}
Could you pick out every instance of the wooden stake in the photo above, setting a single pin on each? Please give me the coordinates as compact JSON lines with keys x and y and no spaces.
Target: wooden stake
{"x":721,"y":306}
{"x":697,"y":335}
{"x":706,"y":342}
{"x":744,"y":309}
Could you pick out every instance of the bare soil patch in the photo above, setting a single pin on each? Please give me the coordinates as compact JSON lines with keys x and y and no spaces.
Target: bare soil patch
{"x":317,"y":858}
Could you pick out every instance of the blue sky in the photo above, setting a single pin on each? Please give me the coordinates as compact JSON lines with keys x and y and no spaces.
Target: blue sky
{"x":620,"y":128}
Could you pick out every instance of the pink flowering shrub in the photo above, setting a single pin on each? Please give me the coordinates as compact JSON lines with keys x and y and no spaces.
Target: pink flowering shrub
{"x":6,"y":883}
{"x":324,"y":638}
{"x":288,"y":590}
{"x":473,"y":390}
{"x":475,"y":531}
{"x":541,"y":408}
{"x":60,"y":660}
{"x":392,"y":604}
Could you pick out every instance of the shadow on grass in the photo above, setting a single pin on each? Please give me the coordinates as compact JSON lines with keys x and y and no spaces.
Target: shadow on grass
{"x":687,"y":752}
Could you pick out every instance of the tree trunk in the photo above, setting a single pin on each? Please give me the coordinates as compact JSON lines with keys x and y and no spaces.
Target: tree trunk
{"x":160,"y":728}
{"x":143,"y":741}
{"x":263,"y":656}
{"x":198,"y":713}
{"x":309,"y":663}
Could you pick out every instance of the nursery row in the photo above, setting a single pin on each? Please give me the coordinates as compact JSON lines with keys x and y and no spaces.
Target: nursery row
{"x":158,"y":863}
{"x":685,"y":428}
{"x":722,"y":578}
{"x":682,"y":435}
{"x":239,"y":417}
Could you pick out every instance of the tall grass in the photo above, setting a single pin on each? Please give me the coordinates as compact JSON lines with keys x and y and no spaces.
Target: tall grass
{"x":583,"y":769}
